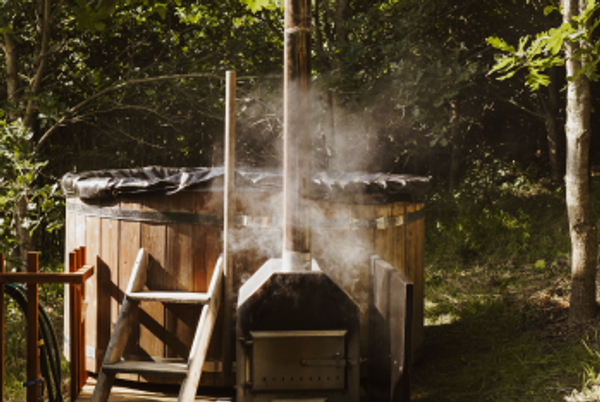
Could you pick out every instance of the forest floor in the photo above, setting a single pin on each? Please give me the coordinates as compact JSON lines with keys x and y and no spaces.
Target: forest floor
{"x":500,"y":333}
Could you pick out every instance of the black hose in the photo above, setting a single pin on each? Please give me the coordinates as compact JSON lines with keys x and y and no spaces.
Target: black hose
{"x":49,"y":353}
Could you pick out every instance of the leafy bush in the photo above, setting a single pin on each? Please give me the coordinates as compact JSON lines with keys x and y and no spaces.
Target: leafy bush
{"x":21,"y":176}
{"x":498,"y":212}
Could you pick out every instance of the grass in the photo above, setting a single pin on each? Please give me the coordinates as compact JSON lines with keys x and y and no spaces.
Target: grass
{"x":497,"y":287}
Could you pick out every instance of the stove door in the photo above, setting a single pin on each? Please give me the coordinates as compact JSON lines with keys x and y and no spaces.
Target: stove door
{"x":298,"y":360}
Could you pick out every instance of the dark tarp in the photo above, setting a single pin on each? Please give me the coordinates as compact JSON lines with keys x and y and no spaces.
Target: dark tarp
{"x":359,"y":187}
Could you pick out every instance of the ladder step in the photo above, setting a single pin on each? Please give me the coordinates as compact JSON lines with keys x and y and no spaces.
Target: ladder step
{"x":174,"y":370}
{"x":171,"y":297}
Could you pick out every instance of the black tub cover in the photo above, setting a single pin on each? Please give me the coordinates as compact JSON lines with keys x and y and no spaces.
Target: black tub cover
{"x":360,"y":187}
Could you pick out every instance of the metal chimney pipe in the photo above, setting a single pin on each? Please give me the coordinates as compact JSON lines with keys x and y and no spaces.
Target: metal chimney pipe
{"x":296,"y":132}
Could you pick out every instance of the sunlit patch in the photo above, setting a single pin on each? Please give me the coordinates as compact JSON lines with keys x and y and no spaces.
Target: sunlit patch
{"x":442,"y":319}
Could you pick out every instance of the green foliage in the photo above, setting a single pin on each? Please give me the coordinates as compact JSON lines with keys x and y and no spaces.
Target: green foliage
{"x":21,"y":177}
{"x":93,"y":15}
{"x":15,"y":352}
{"x":258,"y":5}
{"x":495,"y":214}
{"x":543,"y":53}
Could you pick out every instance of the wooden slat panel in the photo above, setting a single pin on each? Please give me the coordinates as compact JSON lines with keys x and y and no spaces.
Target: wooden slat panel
{"x":204,"y":257}
{"x":129,"y":246}
{"x":399,"y":234}
{"x":180,"y":320}
{"x":107,"y":285}
{"x":152,"y":315}
{"x":92,"y":236}
{"x":204,"y":203}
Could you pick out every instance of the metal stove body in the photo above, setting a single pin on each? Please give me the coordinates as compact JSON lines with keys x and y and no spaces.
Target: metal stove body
{"x":298,"y":338}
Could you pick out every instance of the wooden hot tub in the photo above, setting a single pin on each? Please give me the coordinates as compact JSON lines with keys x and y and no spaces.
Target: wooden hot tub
{"x":115,"y":213}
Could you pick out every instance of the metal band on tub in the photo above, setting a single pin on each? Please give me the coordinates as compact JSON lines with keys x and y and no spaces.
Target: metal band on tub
{"x":136,"y":215}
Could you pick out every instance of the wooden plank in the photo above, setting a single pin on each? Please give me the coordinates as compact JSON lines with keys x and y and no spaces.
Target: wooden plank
{"x":399,"y":234}
{"x":152,"y":315}
{"x":92,"y":242}
{"x":108,"y":291}
{"x":171,"y":297}
{"x":129,"y":246}
{"x":145,"y":368}
{"x":384,"y":248}
{"x":391,"y":307}
{"x":75,"y":326}
{"x":124,"y":394}
{"x":401,"y":307}
{"x":180,"y":320}
{"x":209,"y":203}
{"x":70,"y":226}
{"x":229,"y":220}
{"x":33,"y":350}
{"x":81,"y":319}
{"x":75,"y":278}
{"x":80,"y":241}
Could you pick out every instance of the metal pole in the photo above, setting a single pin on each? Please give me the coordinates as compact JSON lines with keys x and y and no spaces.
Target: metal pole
{"x":296,"y":131}
{"x":229,"y":222}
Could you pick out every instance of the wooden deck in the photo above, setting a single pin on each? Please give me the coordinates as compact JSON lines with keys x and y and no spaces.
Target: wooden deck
{"x":123,"y":394}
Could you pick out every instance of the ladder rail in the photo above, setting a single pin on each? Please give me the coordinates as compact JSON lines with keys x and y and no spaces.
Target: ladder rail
{"x":203,"y":335}
{"x":123,"y":329}
{"x":118,"y":340}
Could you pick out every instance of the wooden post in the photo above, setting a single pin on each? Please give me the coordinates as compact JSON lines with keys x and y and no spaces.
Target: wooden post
{"x":81,"y":350}
{"x":33,"y":350}
{"x":296,"y":136}
{"x":2,"y":270}
{"x":229,"y":222}
{"x":75,"y":329}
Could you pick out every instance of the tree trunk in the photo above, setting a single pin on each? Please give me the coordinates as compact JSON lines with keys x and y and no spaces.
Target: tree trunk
{"x":30,"y":115}
{"x":582,"y":225}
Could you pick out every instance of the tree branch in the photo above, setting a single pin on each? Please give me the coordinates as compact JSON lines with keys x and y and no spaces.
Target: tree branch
{"x":118,"y":87}
{"x":36,"y":82}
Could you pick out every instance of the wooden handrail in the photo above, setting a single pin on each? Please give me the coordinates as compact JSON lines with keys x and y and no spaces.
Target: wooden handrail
{"x":76,"y":280}
{"x":72,"y":278}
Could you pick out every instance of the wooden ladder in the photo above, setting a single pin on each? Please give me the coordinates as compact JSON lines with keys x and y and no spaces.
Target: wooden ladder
{"x":189,"y":372}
